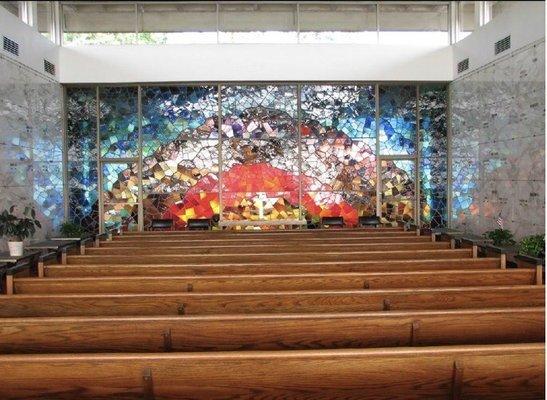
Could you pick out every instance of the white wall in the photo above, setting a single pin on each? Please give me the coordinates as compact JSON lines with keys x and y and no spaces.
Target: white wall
{"x":33,"y":47}
{"x":523,"y":20}
{"x":254,"y":62}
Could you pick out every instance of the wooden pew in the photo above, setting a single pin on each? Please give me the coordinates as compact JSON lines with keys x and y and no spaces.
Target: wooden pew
{"x":182,"y":241}
{"x":270,"y":302}
{"x":270,"y":283}
{"x":506,"y":371}
{"x":288,"y":235}
{"x":154,"y":258}
{"x":153,"y":269}
{"x":271,"y":332}
{"x":247,"y":232}
{"x":244,"y":248}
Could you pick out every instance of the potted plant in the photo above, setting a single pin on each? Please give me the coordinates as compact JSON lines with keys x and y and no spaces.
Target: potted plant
{"x":531,"y":251}
{"x":16,"y":229}
{"x":500,"y":237}
{"x":71,"y":230}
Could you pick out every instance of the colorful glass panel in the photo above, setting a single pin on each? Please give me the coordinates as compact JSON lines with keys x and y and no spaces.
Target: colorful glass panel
{"x":433,"y":155}
{"x":83,"y":206}
{"x":172,"y":113}
{"x":119,"y":131}
{"x":260,"y":153}
{"x":397,"y":120}
{"x":398,"y":189}
{"x":180,"y":153}
{"x":338,"y":131}
{"x":120,"y":195}
{"x":269,"y":169}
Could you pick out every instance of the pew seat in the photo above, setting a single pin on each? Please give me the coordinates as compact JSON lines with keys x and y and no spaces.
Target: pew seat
{"x":153,"y":257}
{"x":258,"y":283}
{"x":53,"y":305}
{"x":190,"y":333}
{"x":501,"y":371}
{"x":279,"y":267}
{"x":264,"y":249}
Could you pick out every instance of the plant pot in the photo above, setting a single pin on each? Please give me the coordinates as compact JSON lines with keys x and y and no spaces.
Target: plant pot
{"x":15,"y":249}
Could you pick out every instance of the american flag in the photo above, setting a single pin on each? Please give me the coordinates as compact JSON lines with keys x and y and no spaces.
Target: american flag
{"x":499,"y":221}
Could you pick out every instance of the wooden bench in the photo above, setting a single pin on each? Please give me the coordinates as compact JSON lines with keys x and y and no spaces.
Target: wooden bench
{"x":245,"y":248}
{"x":342,"y":233}
{"x":271,"y":332}
{"x":258,"y":283}
{"x":503,"y":371}
{"x":276,"y":232}
{"x":169,"y":241}
{"x":270,"y":302}
{"x":158,"y":258}
{"x":154,"y":269}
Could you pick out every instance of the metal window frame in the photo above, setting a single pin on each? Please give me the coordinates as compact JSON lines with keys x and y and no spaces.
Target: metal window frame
{"x":451,"y":15}
{"x":218,"y":87}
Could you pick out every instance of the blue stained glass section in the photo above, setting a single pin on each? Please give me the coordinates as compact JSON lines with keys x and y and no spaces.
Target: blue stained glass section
{"x":171,"y":113}
{"x":350,"y":109}
{"x":433,"y":155}
{"x":118,"y":122}
{"x":83,"y":206}
{"x":397,"y":120}
{"x":259,"y":111}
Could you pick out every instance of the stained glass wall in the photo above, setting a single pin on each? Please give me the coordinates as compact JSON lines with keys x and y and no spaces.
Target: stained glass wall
{"x":83,"y":207}
{"x":398,"y":189}
{"x":433,"y":155}
{"x":260,"y":149}
{"x":283,"y":152}
{"x":397,"y":144}
{"x":338,"y":132}
{"x":120,"y":184}
{"x":397,"y":120}
{"x":118,"y":133}
{"x":180,"y":152}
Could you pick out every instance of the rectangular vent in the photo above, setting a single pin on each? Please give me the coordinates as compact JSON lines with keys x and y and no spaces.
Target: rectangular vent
{"x":49,"y":67}
{"x":10,"y":46}
{"x":502,"y":45}
{"x":463,"y":65}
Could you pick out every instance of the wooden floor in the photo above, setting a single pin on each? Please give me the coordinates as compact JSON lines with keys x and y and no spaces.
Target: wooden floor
{"x":321,"y":314}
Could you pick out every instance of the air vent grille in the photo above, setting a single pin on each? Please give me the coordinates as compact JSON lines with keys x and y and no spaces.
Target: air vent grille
{"x":49,"y":67}
{"x":463,"y":65}
{"x":10,"y":46}
{"x":502,"y":45}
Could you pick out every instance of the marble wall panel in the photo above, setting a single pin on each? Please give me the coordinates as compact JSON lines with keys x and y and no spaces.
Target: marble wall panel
{"x":31,"y":170}
{"x":498,"y":145}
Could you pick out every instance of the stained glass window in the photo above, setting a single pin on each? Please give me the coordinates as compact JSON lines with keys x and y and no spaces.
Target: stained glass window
{"x":119,"y":132}
{"x":260,"y":152}
{"x":173,"y":113}
{"x":398,"y":189}
{"x":397,"y":120}
{"x":269,"y":170}
{"x":338,"y":130}
{"x":82,"y":157}
{"x":180,"y":152}
{"x":120,"y":195}
{"x":433,"y":155}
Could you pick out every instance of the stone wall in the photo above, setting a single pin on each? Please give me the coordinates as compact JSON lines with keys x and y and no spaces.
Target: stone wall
{"x":498,"y":145}
{"x":31,"y":169}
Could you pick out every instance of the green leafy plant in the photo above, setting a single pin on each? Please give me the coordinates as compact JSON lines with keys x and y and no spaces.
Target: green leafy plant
{"x":500,"y":237}
{"x":72,"y":230}
{"x":16,"y":228}
{"x":533,"y":246}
